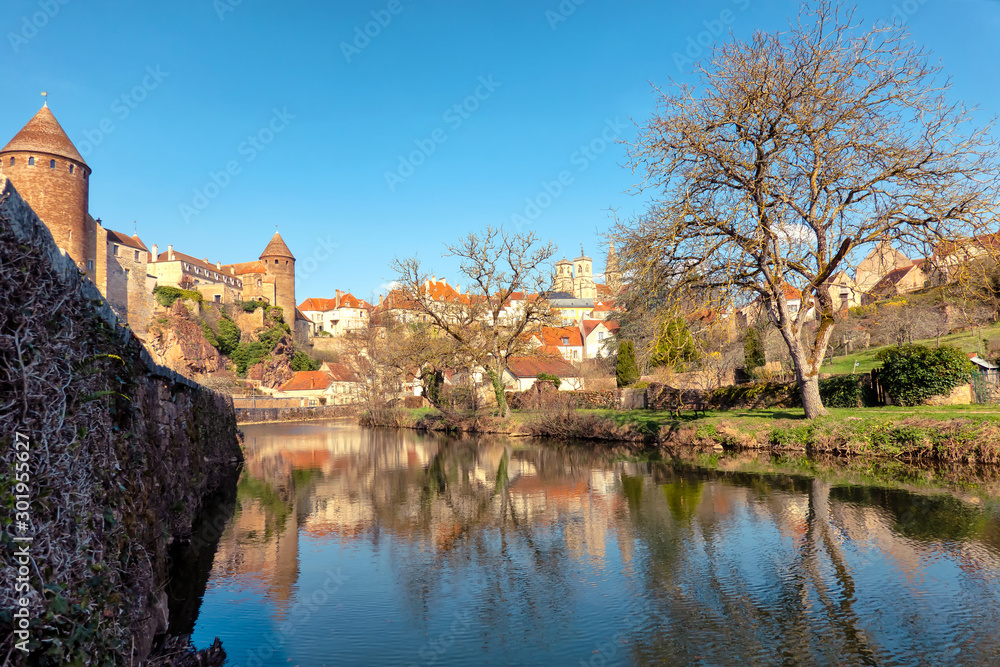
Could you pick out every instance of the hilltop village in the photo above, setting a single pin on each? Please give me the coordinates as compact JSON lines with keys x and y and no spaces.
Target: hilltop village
{"x":243,"y":324}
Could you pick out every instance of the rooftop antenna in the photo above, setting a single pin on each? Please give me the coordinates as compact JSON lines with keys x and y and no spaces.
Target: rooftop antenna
{"x":135,"y":227}
{"x":46,"y":96}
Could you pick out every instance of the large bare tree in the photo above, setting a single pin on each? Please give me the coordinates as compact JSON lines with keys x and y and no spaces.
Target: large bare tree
{"x":506,"y":275}
{"x":793,"y":154}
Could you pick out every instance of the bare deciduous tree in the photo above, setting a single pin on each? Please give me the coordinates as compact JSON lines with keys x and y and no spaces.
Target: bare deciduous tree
{"x":506,"y":275}
{"x":793,"y":150}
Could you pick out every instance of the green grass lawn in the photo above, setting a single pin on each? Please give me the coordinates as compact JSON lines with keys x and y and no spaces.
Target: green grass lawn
{"x":968,"y":341}
{"x":650,"y":420}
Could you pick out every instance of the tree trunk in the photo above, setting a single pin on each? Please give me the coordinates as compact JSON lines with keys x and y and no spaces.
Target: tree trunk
{"x":811,"y":402}
{"x":498,"y":389}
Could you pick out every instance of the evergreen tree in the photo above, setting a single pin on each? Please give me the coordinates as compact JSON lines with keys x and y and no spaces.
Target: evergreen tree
{"x":627,"y":370}
{"x":753,"y":349}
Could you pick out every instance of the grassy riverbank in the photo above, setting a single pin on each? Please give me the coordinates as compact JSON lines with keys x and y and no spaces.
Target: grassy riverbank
{"x":969,"y":434}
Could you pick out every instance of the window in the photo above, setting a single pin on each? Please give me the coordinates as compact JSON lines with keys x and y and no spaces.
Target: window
{"x":127,"y":272}
{"x":115,"y":251}
{"x":31,"y":162}
{"x":218,"y":298}
{"x":52,"y":164}
{"x":600,"y":335}
{"x":71,"y":169}
{"x":137,"y":255}
{"x":12,"y":162}
{"x":90,"y":265}
{"x":565,"y":341}
{"x":275,"y":261}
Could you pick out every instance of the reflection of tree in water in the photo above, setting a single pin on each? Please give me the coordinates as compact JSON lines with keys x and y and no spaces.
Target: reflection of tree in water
{"x":794,"y":601}
{"x":488,"y":536}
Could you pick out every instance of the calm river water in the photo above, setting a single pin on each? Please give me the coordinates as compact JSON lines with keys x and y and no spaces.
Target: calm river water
{"x":353,"y":547}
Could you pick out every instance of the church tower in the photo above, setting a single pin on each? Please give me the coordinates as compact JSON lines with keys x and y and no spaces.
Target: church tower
{"x":583,"y":277}
{"x":279,"y":264}
{"x":51,"y":175}
{"x":564,"y":277}
{"x":612,"y":275}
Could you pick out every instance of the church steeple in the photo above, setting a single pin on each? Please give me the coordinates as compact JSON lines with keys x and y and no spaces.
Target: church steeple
{"x":612,"y":275}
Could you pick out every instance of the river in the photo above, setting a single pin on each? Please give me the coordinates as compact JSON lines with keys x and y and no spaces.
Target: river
{"x":346,"y":546}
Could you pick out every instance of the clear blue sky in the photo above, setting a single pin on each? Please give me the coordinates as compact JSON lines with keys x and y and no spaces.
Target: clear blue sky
{"x":224,"y":68}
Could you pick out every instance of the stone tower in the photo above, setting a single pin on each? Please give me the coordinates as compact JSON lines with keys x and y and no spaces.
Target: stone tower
{"x":583,"y":277}
{"x":564,"y":277}
{"x":612,"y":275}
{"x":279,"y":263}
{"x":51,"y":175}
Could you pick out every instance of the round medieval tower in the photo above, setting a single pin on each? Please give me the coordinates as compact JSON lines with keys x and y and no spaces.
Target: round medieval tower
{"x":51,"y":175}
{"x":279,"y":263}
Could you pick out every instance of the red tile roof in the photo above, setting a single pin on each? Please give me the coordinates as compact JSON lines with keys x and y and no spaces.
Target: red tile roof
{"x":530,"y":367}
{"x":44,"y":134}
{"x":341,"y":373}
{"x":590,"y":325}
{"x":323,"y":305}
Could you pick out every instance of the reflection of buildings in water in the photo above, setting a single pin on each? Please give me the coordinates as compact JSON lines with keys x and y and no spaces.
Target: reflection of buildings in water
{"x":258,"y":554}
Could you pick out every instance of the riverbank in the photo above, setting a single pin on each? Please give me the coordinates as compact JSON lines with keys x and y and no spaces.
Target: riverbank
{"x":964,"y":434}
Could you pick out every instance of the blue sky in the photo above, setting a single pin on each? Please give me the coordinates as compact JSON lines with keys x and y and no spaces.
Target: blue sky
{"x":209,"y":122}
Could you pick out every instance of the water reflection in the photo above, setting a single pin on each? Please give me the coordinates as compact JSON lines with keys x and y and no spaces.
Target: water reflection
{"x":496,"y":551}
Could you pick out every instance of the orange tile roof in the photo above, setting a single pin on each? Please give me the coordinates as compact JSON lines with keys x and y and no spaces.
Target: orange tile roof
{"x":555,"y":335}
{"x":241,"y":268}
{"x":590,"y":325}
{"x":323,"y":305}
{"x":308,"y":380}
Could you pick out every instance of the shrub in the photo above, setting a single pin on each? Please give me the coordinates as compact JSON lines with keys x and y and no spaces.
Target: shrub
{"x":228,"y":336}
{"x":165,"y":295}
{"x":247,"y":355}
{"x":209,"y":335}
{"x":302,"y":362}
{"x":913,"y":373}
{"x":841,"y":391}
{"x":548,"y":377}
{"x":250,"y":306}
{"x":626,"y":370}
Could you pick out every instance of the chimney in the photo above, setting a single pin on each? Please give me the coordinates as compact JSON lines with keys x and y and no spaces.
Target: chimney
{"x":156,"y":252}
{"x":338,"y":298}
{"x":444,"y":280}
{"x":170,"y":253}
{"x":379,"y":299}
{"x":458,"y":288}
{"x":218,"y":265}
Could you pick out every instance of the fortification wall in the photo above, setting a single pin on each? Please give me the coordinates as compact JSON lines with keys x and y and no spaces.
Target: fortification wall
{"x":121,"y":455}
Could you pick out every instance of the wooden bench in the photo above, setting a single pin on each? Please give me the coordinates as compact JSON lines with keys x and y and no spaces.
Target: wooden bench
{"x":692,"y":404}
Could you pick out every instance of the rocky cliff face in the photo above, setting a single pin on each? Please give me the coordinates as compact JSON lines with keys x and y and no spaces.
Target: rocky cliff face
{"x":277,"y":368}
{"x":177,"y":341}
{"x":120,"y":455}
